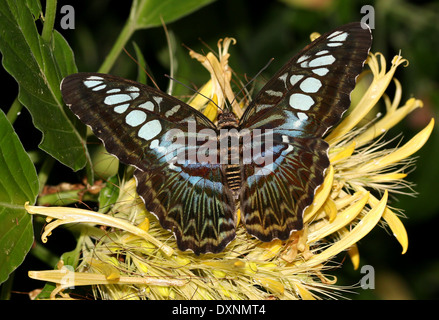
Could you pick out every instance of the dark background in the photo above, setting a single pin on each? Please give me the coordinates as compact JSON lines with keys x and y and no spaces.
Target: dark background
{"x":279,"y":29}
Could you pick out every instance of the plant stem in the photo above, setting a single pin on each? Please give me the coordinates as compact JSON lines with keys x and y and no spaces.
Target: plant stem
{"x":43,"y":175}
{"x":49,"y":20}
{"x":14,"y":111}
{"x":42,"y":253}
{"x":123,"y":38}
{"x":6,"y":287}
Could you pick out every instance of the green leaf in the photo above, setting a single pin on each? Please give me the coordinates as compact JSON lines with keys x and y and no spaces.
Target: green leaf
{"x":141,"y":75}
{"x":18,"y":184}
{"x":148,"y":12}
{"x":109,"y":194}
{"x":35,"y":8}
{"x":38,"y":67}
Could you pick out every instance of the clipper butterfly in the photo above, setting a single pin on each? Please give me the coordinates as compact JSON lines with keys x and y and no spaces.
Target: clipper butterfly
{"x":275,"y":155}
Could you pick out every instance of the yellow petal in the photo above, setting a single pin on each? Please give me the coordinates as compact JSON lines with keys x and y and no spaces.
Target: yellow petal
{"x":220,"y":73}
{"x":198,"y":100}
{"x":361,"y":229}
{"x":211,"y":110}
{"x":144,"y":225}
{"x":388,"y":121}
{"x":343,"y":218}
{"x":182,"y":260}
{"x":140,"y":265}
{"x":394,"y":223}
{"x":69,"y":215}
{"x":86,"y":279}
{"x":397,"y":228}
{"x":354,"y":254}
{"x":322,"y":194}
{"x":272,"y":285}
{"x":330,"y":209}
{"x":270,"y":249}
{"x":110,"y":271}
{"x":376,"y":89}
{"x":387,"y":177}
{"x":405,"y":151}
{"x":304,"y":293}
{"x":342,"y":153}
{"x":219,"y":274}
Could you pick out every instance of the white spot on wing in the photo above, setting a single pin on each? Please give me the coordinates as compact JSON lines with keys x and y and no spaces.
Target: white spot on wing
{"x":288,"y":150}
{"x":301,"y":101}
{"x":302,"y":116}
{"x":284,"y":77}
{"x":158,"y":99}
{"x":91,"y":83}
{"x":132,"y":89}
{"x":322,"y":61}
{"x":262,"y":107}
{"x":154,"y":144}
{"x":305,"y":64}
{"x":135,"y":118}
{"x":335,"y":33}
{"x":335,"y":44}
{"x":172,"y":111}
{"x":302,"y":58}
{"x":341,"y":37}
{"x":95,"y":78}
{"x":134,"y":95}
{"x":117,"y":98}
{"x":322,"y":52}
{"x":274,"y":93}
{"x":102,"y":86}
{"x":150,"y":130}
{"x":321,"y":71}
{"x":122,"y":108}
{"x":295,"y":78}
{"x":147,"y":105}
{"x":310,"y":85}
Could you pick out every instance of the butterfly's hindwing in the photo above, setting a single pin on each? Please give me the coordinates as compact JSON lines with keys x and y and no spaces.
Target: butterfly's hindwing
{"x":196,"y":206}
{"x":274,"y":192}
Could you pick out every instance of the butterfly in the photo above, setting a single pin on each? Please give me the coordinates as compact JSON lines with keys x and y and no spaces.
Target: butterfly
{"x":269,"y":163}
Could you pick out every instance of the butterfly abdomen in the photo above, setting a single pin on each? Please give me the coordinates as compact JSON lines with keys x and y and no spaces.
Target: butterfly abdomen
{"x":230,"y":150}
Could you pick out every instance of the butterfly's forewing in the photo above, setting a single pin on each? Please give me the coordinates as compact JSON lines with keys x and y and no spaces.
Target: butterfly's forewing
{"x":127,"y":116}
{"x":312,"y":90}
{"x":305,"y":98}
{"x":151,"y":130}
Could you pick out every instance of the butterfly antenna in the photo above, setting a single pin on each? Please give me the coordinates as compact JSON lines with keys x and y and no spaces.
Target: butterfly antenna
{"x":252,"y":79}
{"x":144,"y":70}
{"x":193,"y":90}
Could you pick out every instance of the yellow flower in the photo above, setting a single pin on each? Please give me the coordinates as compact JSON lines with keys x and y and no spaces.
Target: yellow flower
{"x":137,"y":259}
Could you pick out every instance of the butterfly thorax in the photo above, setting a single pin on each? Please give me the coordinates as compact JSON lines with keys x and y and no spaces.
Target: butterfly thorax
{"x":227,"y":120}
{"x":230,"y":145}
